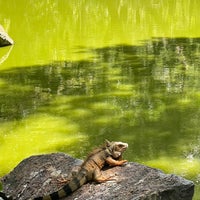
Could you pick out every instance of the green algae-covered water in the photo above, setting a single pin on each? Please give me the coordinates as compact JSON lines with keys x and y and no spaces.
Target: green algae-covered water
{"x":83,"y":71}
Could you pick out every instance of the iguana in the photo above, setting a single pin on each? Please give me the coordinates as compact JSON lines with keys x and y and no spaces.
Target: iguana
{"x":110,"y":153}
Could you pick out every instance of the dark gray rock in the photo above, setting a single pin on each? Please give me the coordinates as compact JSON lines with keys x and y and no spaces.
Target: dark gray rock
{"x":39,"y":175}
{"x":5,"y":39}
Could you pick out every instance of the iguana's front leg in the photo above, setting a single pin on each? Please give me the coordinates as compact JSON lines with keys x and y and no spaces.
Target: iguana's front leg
{"x":99,"y":178}
{"x":113,"y":162}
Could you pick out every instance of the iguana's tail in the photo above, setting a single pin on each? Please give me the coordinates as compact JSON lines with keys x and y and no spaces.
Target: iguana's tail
{"x":4,"y":197}
{"x":67,"y":189}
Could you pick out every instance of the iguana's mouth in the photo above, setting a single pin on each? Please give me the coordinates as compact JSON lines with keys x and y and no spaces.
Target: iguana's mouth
{"x":125,"y":147}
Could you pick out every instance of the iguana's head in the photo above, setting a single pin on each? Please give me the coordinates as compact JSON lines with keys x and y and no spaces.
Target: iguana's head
{"x":115,"y":149}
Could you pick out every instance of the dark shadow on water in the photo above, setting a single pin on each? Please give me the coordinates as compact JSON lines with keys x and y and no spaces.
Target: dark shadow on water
{"x":147,"y":95}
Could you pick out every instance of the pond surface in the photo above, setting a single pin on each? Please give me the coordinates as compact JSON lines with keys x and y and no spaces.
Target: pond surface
{"x":83,"y":71}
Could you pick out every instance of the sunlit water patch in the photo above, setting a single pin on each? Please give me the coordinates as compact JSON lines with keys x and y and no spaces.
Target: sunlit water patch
{"x":82,"y":71}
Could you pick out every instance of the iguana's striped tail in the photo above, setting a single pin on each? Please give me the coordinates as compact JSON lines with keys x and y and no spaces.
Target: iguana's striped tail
{"x":67,"y":189}
{"x":4,"y":197}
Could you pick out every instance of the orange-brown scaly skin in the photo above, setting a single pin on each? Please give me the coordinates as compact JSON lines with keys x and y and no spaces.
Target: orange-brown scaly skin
{"x":110,"y":153}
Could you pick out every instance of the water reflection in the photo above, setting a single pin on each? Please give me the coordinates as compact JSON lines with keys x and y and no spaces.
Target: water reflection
{"x":6,"y":54}
{"x":146,"y":95}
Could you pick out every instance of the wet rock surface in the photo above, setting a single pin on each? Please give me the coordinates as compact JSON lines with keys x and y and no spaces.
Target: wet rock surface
{"x":39,"y":175}
{"x":5,"y":39}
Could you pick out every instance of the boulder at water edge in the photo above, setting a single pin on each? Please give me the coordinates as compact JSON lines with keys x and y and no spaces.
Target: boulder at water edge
{"x":39,"y":175}
{"x":5,"y":39}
